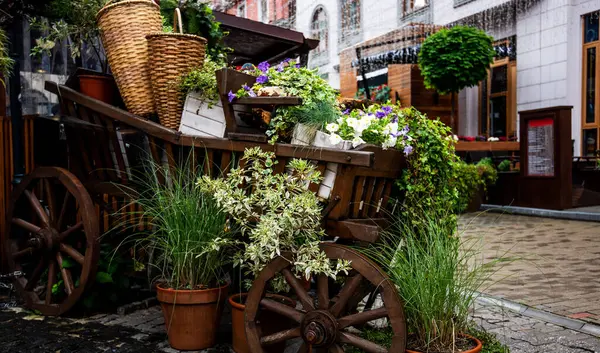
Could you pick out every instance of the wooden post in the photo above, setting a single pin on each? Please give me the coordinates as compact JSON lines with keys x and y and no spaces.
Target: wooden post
{"x":546,"y":158}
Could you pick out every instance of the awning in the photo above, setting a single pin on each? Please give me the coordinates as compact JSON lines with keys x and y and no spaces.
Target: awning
{"x":254,"y":41}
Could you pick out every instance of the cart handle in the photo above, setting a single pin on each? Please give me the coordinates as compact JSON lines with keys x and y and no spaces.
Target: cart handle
{"x":177,"y":21}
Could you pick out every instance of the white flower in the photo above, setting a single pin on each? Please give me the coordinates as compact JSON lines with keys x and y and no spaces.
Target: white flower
{"x":493,"y":139}
{"x":352,"y":122}
{"x":357,"y":141}
{"x":335,"y":139}
{"x":390,"y":142}
{"x":333,"y":127}
{"x":393,"y":127}
{"x":455,"y":138}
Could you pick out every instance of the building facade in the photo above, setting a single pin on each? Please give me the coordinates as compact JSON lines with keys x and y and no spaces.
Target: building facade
{"x":276,"y":12}
{"x":547,"y":54}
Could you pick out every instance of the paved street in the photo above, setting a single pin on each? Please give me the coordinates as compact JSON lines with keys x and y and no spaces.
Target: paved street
{"x":142,"y":331}
{"x":558,"y":263}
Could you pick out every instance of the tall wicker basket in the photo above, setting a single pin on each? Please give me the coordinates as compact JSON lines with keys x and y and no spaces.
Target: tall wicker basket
{"x":173,"y":55}
{"x":124,"y":26}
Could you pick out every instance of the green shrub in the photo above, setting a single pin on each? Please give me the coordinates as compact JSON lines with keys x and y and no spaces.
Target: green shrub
{"x":504,"y":166}
{"x":470,"y":179}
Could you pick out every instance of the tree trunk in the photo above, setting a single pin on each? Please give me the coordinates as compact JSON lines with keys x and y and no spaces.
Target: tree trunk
{"x":452,"y":103}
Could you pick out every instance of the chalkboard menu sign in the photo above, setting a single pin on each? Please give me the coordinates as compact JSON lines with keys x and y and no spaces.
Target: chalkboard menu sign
{"x":540,"y":147}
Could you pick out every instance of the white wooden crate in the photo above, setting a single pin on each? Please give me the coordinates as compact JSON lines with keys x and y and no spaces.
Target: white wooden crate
{"x":200,"y":120}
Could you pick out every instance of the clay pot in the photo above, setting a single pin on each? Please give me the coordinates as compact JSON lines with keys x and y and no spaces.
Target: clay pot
{"x":101,"y":88}
{"x":270,"y":322}
{"x":192,"y":316}
{"x":477,"y":349}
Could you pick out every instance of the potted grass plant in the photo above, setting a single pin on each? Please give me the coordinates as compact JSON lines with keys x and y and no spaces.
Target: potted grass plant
{"x":189,"y":242}
{"x":438,"y":277}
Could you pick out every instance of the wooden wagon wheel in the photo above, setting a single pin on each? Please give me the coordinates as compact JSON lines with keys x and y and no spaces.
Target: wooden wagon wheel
{"x":51,"y":236}
{"x":324,"y":322}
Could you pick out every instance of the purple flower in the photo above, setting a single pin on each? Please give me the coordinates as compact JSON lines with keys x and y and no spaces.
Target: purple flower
{"x":249,"y":90}
{"x":262,"y":79}
{"x":395,"y":119}
{"x":231,"y":96}
{"x":380,"y":114}
{"x":297,"y":66}
{"x":405,"y":130}
{"x":287,"y":60}
{"x":387,"y":109}
{"x":263,"y":66}
{"x":346,"y":112}
{"x":408,"y":150}
{"x":280,"y":67}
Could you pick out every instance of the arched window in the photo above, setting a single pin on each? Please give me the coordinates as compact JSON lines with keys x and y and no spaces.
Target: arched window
{"x":320,"y":30}
{"x":409,"y":6}
{"x":350,"y":20}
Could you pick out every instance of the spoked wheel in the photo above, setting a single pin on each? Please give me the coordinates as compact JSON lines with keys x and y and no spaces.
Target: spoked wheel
{"x":328,"y":322}
{"x":52,"y":237}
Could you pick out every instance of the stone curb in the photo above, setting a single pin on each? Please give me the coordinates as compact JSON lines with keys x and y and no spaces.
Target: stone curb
{"x":525,"y":310}
{"x":539,"y":212}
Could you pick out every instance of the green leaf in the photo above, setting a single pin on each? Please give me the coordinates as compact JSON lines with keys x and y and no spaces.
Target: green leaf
{"x":67,"y":262}
{"x":103,"y":277}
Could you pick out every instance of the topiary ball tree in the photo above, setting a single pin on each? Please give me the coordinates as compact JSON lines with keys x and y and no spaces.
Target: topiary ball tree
{"x":455,"y":58}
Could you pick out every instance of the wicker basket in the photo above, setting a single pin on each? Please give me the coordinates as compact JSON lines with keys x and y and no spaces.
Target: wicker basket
{"x":173,"y":55}
{"x":124,"y":26}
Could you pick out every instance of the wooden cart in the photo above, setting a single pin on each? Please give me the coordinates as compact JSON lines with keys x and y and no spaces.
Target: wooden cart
{"x":57,"y":214}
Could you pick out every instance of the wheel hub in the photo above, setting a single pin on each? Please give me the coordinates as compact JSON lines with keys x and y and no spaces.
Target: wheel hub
{"x":47,"y":238}
{"x":319,"y":328}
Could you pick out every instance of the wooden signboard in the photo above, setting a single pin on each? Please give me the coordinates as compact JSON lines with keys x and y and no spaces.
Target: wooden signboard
{"x":546,"y":157}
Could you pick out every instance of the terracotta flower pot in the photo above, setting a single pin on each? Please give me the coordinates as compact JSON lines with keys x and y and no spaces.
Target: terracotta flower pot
{"x":476,"y":349}
{"x":98,"y":87}
{"x":270,"y":322}
{"x":192,"y":316}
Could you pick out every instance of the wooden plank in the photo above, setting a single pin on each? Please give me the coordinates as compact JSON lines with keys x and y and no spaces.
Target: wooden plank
{"x":357,"y":199}
{"x":368,"y":200}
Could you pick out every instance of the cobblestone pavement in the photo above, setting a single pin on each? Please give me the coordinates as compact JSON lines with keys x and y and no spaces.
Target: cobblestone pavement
{"x":526,"y":335}
{"x":143,"y":331}
{"x":558,"y":261}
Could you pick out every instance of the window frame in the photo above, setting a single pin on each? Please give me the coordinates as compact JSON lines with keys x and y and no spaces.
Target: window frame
{"x":584,"y":65}
{"x":510,"y":94}
{"x":347,"y":40}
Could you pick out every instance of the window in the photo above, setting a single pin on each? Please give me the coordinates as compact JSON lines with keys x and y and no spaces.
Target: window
{"x":409,"y":6}
{"x":319,"y":30}
{"x":350,"y":20}
{"x":497,"y":94}
{"x":241,"y":10}
{"x":264,"y":11}
{"x":591,"y":88}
